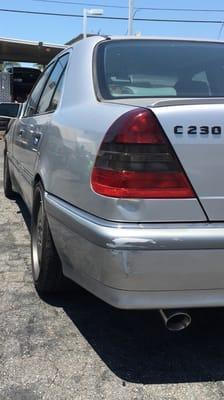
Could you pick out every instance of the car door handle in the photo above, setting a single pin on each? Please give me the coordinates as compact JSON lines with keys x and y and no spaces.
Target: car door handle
{"x":21,"y":132}
{"x":36,"y":139}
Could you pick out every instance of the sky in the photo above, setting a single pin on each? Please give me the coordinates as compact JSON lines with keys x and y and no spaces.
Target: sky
{"x":55,"y":29}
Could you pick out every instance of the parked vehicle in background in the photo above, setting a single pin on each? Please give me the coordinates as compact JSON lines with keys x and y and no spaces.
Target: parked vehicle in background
{"x":5,"y":87}
{"x":18,"y":82}
{"x":118,"y":154}
{"x":8,"y":111}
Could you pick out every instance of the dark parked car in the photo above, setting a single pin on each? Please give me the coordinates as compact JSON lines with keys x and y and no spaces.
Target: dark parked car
{"x":9,"y":110}
{"x":23,"y":80}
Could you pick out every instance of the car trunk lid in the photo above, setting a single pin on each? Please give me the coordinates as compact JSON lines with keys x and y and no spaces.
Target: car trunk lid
{"x":196,"y":132}
{"x":195,"y":129}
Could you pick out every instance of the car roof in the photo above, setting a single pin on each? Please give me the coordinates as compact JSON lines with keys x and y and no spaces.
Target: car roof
{"x":164,"y":38}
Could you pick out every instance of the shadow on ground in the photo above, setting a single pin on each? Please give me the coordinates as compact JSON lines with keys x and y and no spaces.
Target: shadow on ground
{"x":136,"y":346}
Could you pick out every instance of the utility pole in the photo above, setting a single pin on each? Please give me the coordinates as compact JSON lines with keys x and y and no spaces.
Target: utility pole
{"x":84,"y":23}
{"x":86,"y":12}
{"x":130,"y":16}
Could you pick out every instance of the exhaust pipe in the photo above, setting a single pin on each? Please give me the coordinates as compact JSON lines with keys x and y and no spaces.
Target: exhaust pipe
{"x":175,"y":320}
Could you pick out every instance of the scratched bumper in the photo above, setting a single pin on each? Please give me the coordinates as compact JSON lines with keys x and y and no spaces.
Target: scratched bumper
{"x":125,"y":236}
{"x":136,"y":265}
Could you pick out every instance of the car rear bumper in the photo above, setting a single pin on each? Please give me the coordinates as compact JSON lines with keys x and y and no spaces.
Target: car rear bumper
{"x":140,"y":265}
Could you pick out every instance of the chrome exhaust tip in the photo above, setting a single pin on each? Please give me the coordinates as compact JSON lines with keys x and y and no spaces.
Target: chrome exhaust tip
{"x":175,"y":320}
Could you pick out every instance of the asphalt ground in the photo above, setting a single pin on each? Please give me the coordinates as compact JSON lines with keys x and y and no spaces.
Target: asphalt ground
{"x":77,"y":347}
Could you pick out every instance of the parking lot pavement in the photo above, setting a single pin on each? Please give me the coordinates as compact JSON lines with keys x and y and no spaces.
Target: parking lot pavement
{"x":77,"y":347}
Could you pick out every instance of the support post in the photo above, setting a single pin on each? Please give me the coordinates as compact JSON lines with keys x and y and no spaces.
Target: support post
{"x":130,"y":17}
{"x":84,"y":23}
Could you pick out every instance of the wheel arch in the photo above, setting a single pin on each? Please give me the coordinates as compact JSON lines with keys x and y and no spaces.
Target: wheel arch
{"x":37,"y":179}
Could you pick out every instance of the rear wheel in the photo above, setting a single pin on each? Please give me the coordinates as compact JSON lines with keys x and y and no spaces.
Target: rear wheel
{"x":7,"y":183}
{"x":46,"y":265}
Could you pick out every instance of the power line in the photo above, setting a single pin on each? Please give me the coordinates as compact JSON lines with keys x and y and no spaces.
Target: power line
{"x":41,"y":13}
{"x":125,"y":7}
{"x":111,"y":17}
{"x":82,"y":4}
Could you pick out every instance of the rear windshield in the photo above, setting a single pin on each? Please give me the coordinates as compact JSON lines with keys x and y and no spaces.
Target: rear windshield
{"x":160,"y":68}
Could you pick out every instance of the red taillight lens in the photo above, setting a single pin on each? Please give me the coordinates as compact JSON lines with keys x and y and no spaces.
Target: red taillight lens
{"x":137,"y":126}
{"x":136,"y":160}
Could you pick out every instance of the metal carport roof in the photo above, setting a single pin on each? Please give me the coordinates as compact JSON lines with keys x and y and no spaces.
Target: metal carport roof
{"x":27,"y":51}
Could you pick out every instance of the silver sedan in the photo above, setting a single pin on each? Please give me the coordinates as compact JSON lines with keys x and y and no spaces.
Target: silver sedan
{"x":118,"y":154}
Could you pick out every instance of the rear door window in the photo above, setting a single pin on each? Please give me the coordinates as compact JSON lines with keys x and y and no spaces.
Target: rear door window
{"x":51,"y":86}
{"x":57,"y":94}
{"x":36,"y":92}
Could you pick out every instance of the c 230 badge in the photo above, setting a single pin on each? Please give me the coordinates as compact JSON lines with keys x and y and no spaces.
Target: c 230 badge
{"x":195,"y":130}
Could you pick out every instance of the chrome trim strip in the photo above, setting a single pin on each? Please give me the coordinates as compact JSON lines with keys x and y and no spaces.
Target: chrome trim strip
{"x":133,"y":236}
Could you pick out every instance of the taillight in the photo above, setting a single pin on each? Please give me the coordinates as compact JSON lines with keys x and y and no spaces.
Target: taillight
{"x":136,"y":160}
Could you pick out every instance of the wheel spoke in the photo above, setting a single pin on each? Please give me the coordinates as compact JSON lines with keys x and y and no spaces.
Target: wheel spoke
{"x":40,"y":232}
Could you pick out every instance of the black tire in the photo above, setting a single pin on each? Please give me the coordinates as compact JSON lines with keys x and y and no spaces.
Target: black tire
{"x":46,"y":266}
{"x":7,"y":183}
